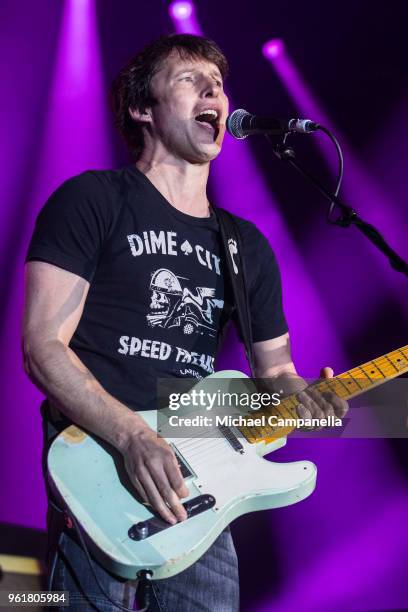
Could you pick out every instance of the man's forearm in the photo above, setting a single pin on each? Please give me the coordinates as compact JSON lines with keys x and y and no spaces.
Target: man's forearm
{"x":57,"y":371}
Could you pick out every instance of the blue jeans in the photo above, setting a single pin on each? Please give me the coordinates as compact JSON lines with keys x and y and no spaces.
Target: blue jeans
{"x":209,"y":585}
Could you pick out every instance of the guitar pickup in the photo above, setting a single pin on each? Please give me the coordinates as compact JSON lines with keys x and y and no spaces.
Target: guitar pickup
{"x":186,"y":471}
{"x":155,"y":524}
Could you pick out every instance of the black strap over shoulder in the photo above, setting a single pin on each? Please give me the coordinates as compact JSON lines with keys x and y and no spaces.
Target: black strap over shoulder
{"x":232,"y":242}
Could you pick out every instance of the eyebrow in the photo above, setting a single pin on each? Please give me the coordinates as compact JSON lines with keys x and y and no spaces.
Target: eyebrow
{"x":215,"y":72}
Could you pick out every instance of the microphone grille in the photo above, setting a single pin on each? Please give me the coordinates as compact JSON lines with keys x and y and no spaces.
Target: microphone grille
{"x":234,"y":123}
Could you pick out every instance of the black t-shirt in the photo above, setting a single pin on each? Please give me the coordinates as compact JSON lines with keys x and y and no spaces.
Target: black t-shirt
{"x":157,"y":302}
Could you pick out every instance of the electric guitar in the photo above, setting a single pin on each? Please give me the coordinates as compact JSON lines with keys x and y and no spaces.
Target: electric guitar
{"x":225,"y":473}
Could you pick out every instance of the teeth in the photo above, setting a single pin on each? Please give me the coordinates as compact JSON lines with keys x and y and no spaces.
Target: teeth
{"x":209,"y":112}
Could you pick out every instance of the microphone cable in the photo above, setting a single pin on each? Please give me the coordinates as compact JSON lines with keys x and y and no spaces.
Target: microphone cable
{"x":340,"y":172}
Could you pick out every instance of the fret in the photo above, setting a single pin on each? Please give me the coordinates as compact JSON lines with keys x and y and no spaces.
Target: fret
{"x":285,"y":408}
{"x":279,"y":411}
{"x":338,"y":387}
{"x":277,"y":432}
{"x":271,"y":410}
{"x":393,"y":365}
{"x":402,"y":361}
{"x":374,"y":362}
{"x":254,"y":434}
{"x":321,"y":386}
{"x":345,"y":385}
{"x":404,"y":350}
{"x":258,"y":432}
{"x":372,"y":372}
{"x":288,"y":410}
{"x":386,"y":366}
{"x":343,"y":389}
{"x":350,"y":383}
{"x":249,"y":433}
{"x":292,"y":403}
{"x":332,"y":385}
{"x":361,"y":378}
{"x":357,"y":379}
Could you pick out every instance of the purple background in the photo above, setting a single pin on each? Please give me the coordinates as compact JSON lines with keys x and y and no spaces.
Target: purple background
{"x":344,"y":548}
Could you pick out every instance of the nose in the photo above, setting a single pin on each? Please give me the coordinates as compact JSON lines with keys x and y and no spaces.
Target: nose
{"x":209,"y":89}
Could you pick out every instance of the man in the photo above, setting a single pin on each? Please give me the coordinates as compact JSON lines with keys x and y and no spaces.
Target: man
{"x":116,"y":261}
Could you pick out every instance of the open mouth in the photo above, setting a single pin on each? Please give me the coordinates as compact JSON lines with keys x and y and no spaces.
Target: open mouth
{"x":208,"y":119}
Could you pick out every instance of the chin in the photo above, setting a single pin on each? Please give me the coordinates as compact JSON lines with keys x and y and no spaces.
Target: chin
{"x":210,"y":152}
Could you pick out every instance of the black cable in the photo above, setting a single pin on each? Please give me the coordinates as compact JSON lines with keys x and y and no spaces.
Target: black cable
{"x":54,"y":564}
{"x":144,"y":576}
{"x":349,"y":216}
{"x":339,"y":173}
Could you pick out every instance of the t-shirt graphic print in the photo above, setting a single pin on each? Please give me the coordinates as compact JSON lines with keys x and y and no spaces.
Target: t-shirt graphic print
{"x":173,"y":305}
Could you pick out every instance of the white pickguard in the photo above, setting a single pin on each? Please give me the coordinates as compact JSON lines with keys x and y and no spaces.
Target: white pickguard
{"x":230,"y":475}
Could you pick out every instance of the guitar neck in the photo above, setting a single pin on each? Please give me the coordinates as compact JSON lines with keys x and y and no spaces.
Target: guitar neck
{"x":346,"y":385}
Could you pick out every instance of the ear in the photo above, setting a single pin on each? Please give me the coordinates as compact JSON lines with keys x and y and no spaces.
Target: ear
{"x":139,"y":116}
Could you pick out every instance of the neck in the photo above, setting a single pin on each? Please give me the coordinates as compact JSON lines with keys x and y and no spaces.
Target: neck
{"x":184,"y":185}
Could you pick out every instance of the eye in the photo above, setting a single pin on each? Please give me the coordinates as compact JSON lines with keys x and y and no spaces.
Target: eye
{"x":186,"y":78}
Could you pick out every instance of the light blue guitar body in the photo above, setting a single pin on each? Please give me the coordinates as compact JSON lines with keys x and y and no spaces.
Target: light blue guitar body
{"x":89,"y":478}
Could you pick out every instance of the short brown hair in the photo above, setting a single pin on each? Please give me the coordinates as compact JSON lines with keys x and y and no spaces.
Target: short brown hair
{"x":131,"y":87}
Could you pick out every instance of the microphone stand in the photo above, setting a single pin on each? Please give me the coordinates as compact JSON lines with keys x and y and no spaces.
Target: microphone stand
{"x":349,"y":216}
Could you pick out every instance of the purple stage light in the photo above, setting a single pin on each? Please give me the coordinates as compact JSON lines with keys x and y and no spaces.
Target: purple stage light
{"x":184,"y":18}
{"x":358,"y":187}
{"x":273,"y":48}
{"x":74,"y":137}
{"x":181,"y":10}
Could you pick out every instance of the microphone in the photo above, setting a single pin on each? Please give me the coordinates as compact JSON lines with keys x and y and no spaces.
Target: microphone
{"x":241,"y":124}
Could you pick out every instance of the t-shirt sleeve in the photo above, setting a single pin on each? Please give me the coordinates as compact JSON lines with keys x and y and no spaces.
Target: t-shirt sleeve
{"x":72,"y":226}
{"x":264,"y":286}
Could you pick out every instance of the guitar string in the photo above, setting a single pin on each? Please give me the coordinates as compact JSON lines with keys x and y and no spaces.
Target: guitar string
{"x":196,"y":445}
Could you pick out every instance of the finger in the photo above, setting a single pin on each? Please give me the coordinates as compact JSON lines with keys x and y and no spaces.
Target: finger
{"x":326,"y":372}
{"x":140,"y":490}
{"x":303,"y":412}
{"x":314,"y":409}
{"x":176,"y":479}
{"x":154,"y":497}
{"x":340,"y":406}
{"x":323,"y":401}
{"x":159,"y":475}
{"x":173,"y":500}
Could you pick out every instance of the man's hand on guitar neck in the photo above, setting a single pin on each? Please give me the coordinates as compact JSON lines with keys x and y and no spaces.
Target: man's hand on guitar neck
{"x":312,"y":403}
{"x":315,"y":405}
{"x":273,"y":361}
{"x":154,"y":472}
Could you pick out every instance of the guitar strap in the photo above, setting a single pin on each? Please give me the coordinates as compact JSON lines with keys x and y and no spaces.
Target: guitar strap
{"x":232,"y":243}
